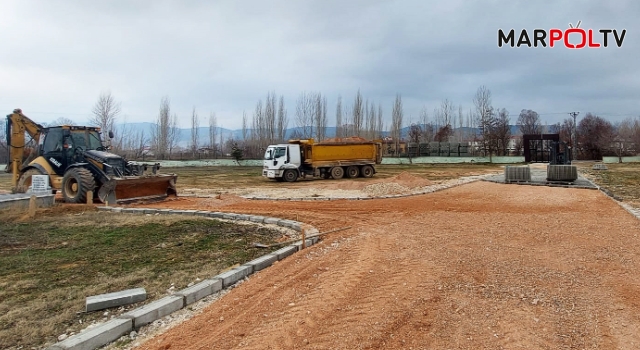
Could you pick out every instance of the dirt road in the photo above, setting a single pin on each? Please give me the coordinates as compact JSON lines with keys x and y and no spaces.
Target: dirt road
{"x":482,"y":265}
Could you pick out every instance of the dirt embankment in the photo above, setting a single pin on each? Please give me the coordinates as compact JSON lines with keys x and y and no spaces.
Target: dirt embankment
{"x":478,"y":266}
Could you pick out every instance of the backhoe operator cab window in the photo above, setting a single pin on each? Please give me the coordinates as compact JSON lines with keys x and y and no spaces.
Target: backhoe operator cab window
{"x":275,"y":153}
{"x":53,"y":140}
{"x":86,"y":139}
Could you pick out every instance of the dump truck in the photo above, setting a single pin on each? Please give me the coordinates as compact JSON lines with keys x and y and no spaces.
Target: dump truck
{"x":336,"y":158}
{"x":76,"y":161}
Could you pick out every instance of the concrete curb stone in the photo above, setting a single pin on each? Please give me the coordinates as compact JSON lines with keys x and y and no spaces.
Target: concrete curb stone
{"x":154,"y":310}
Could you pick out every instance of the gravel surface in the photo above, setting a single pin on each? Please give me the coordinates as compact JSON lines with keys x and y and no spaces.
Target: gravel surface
{"x":483,"y":265}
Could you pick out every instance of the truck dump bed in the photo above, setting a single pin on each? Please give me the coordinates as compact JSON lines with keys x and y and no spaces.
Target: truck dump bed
{"x":341,"y":152}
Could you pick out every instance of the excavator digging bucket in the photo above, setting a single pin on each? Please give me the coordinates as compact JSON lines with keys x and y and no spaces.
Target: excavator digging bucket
{"x":134,"y":188}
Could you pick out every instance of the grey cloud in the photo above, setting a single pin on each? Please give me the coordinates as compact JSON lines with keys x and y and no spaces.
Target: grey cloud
{"x":223,"y":56}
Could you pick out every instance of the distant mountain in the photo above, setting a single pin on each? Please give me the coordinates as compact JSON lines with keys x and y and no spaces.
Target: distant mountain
{"x":184,"y":134}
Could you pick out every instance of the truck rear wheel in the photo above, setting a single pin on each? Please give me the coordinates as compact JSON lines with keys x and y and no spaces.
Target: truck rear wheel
{"x":75,"y":185}
{"x":353,"y":172}
{"x":290,"y":175}
{"x":367,"y":171}
{"x":337,"y":172}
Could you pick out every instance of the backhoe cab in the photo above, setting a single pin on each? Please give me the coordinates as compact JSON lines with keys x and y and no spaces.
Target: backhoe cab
{"x":77,"y":162}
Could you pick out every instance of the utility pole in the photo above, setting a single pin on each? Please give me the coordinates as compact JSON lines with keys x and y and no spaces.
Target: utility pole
{"x":574,"y":142}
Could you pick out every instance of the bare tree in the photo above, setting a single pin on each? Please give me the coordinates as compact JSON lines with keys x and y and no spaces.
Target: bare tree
{"x":320,"y":116}
{"x":213,"y":125}
{"x":502,"y":131}
{"x":173,"y":134}
{"x":160,"y":134}
{"x":4,"y":148}
{"x":305,"y":106}
{"x":446,"y":108}
{"x":105,"y":112}
{"x":339,"y":126}
{"x":380,"y":123}
{"x":396,"y":121}
{"x":270,"y":132}
{"x":283,"y":121}
{"x":244,"y":126}
{"x":485,"y":120}
{"x":371,"y":121}
{"x":595,"y":136}
{"x":61,"y":121}
{"x":195,"y":125}
{"x":357,"y":114}
{"x":529,"y":122}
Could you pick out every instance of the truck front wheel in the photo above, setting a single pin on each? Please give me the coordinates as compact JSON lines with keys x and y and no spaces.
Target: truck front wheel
{"x":290,"y":175}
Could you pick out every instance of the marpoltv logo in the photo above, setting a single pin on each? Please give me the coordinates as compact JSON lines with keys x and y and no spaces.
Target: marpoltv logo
{"x":580,"y":38}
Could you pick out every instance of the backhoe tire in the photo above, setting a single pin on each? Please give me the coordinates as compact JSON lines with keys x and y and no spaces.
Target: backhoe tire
{"x":353,"y":172}
{"x":367,"y":171}
{"x":76,"y":182}
{"x":290,"y":175}
{"x":337,"y":172}
{"x":25,"y":180}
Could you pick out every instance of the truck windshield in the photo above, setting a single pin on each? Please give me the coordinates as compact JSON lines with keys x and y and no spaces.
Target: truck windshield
{"x":273,"y":153}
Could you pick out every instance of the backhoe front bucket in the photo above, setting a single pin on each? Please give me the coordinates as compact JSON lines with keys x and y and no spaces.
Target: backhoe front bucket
{"x":132,"y":188}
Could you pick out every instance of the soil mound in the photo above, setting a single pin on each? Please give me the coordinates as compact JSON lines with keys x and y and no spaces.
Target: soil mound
{"x":407,"y":180}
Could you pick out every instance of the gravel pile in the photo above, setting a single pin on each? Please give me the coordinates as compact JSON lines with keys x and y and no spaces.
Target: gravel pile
{"x":377,"y":189}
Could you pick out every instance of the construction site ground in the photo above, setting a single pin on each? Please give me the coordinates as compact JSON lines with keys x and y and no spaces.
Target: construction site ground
{"x":482,"y":265}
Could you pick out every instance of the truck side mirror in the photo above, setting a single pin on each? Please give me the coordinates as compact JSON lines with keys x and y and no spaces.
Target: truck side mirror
{"x":110,"y":134}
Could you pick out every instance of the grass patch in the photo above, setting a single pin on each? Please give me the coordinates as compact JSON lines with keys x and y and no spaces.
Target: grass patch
{"x":49,"y":265}
{"x":623,"y":180}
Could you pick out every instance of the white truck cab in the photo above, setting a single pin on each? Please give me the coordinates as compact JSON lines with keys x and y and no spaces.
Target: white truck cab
{"x":282,"y":162}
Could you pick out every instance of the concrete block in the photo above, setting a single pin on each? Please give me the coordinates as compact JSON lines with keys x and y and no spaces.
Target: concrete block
{"x":154,"y":310}
{"x":98,"y":336}
{"x":200,"y":290}
{"x":285,"y":251}
{"x":242,"y":217}
{"x":255,"y":218}
{"x":188,"y":212}
{"x":262,"y":262}
{"x":202,"y":213}
{"x":234,"y":275}
{"x":296,"y":226}
{"x":116,"y":210}
{"x":309,"y":243}
{"x":104,"y":208}
{"x":230,"y":216}
{"x":150,"y":211}
{"x":124,"y":297}
{"x":272,"y":221}
{"x":216,"y":214}
{"x":165,"y":211}
{"x":286,"y":223}
{"x":129,"y":210}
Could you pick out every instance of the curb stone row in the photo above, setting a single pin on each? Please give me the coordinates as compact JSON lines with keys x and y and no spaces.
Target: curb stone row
{"x":112,"y":330}
{"x":429,"y":189}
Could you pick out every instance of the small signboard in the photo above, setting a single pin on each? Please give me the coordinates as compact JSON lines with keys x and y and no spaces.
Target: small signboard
{"x":39,"y":183}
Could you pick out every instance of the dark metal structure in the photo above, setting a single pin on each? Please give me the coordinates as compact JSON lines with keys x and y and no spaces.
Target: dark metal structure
{"x":538,"y":147}
{"x":560,"y":153}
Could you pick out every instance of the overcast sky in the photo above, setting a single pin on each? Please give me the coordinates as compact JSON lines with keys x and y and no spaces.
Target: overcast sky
{"x":223,"y":56}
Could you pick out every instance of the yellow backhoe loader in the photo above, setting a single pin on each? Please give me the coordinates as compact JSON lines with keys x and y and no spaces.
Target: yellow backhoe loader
{"x":77,"y":161}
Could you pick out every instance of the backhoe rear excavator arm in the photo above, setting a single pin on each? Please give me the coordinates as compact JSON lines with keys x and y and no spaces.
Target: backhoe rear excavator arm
{"x":17,"y":125}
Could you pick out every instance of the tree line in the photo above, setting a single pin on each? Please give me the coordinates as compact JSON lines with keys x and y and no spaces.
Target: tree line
{"x":485,"y":126}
